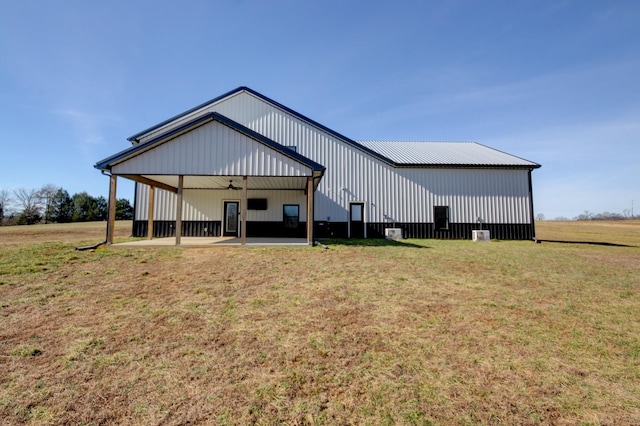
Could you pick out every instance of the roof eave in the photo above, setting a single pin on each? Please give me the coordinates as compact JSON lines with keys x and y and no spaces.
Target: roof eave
{"x":466,"y":166}
{"x":320,"y":126}
{"x":369,"y":151}
{"x":109,"y":162}
{"x":118,"y":157}
{"x":269,"y":142}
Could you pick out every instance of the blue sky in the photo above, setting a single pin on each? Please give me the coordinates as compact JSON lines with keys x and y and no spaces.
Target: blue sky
{"x":555,"y":82}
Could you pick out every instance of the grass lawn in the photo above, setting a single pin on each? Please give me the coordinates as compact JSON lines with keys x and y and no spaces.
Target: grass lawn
{"x":424,"y":332}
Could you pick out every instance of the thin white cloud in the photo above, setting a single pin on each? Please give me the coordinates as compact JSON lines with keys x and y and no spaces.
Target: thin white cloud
{"x":585,"y":166}
{"x":88,"y":128}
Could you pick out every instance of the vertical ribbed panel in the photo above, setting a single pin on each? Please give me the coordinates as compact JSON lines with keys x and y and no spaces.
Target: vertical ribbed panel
{"x":402,"y":195}
{"x":208,"y":205}
{"x":390,"y":194}
{"x":164,"y":206}
{"x":213,"y":149}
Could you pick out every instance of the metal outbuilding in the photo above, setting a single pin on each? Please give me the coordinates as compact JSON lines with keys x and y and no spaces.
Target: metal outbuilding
{"x":244,"y":165}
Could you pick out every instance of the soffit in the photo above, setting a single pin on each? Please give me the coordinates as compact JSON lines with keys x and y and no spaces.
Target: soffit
{"x":222,"y":182}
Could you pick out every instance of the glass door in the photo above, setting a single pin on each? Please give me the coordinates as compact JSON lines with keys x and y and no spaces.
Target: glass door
{"x":231,"y":215}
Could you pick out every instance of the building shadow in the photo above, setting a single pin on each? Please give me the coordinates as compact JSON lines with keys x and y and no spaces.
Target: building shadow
{"x":369,"y":242}
{"x":595,"y":243}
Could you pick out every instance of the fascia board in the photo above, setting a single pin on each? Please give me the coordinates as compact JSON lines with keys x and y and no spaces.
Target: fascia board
{"x":108,"y":162}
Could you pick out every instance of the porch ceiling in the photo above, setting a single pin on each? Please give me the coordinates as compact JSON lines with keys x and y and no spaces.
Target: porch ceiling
{"x":222,"y":182}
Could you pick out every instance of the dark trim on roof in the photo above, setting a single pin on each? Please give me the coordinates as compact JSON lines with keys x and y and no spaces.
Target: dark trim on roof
{"x":321,"y":127}
{"x":176,"y":117}
{"x":212,"y":116}
{"x":274,"y":103}
{"x":106,"y":163}
{"x":465,"y":166}
{"x":525,"y":165}
{"x":316,"y":167}
{"x":532,"y":166}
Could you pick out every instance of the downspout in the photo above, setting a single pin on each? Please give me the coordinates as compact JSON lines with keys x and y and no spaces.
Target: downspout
{"x":531,"y":213}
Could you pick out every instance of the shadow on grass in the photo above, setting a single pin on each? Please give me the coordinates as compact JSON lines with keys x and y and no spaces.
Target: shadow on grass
{"x":595,"y":243}
{"x":369,"y":242}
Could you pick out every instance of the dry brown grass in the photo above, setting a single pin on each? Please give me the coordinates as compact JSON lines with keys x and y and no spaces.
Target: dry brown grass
{"x":93,"y":232}
{"x":432,"y":332}
{"x":626,"y":232}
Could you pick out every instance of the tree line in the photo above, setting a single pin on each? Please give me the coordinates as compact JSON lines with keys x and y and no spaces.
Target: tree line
{"x":52,"y":204}
{"x":587,"y":215}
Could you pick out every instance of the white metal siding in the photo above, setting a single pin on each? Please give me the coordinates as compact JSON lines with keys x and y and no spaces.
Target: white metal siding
{"x":389,"y":193}
{"x":213,"y":149}
{"x":207,"y":205}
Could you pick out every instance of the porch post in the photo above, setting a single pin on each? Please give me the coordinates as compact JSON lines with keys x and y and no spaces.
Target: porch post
{"x":152,"y":199}
{"x":179,"y":210}
{"x":243,"y":209}
{"x":111,"y":214}
{"x":310,"y":213}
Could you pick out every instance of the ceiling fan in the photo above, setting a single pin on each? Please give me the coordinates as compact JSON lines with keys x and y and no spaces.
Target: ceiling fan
{"x":232,"y":187}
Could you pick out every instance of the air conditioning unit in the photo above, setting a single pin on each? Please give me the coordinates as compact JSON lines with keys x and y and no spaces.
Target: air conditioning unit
{"x":393,"y":233}
{"x":481,"y":236}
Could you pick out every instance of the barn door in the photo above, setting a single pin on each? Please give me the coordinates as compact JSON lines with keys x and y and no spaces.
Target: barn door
{"x":356,"y":220}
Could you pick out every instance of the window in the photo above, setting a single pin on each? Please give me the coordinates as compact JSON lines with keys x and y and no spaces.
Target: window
{"x":441,"y":218}
{"x":291,"y":215}
{"x":292,"y":148}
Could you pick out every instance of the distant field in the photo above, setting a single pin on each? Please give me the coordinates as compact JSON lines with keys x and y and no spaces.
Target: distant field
{"x":625,"y":232}
{"x":73,"y":233}
{"x":423,"y":332}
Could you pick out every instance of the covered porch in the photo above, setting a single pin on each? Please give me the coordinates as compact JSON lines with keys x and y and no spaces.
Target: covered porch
{"x":229,"y":196}
{"x":210,"y":168}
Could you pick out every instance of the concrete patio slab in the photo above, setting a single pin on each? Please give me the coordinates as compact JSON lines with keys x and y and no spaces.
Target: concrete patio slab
{"x":214,"y":241}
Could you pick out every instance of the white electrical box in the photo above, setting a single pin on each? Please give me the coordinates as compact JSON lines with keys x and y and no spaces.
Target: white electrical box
{"x":393,"y":233}
{"x":480,"y":236}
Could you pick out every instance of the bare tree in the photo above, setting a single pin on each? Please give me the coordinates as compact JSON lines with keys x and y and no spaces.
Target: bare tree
{"x":5,"y":200}
{"x":31,"y":203}
{"x":587,"y":215}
